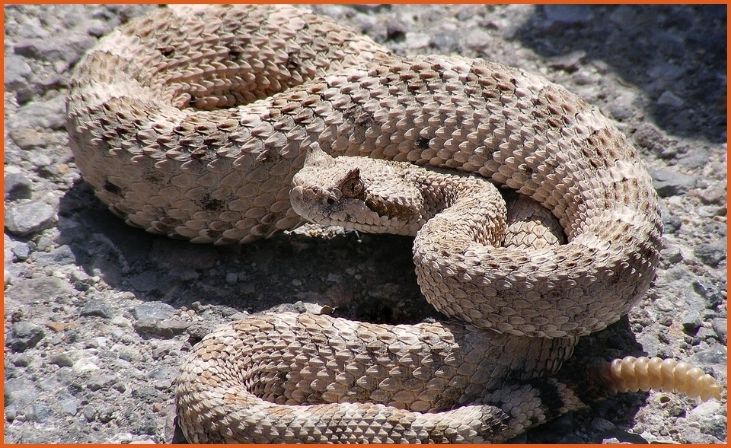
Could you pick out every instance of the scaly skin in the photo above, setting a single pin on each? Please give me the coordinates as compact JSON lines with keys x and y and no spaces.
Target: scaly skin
{"x":193,"y":121}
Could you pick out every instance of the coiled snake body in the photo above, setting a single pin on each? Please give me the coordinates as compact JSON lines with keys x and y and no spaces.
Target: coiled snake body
{"x":192,"y":122}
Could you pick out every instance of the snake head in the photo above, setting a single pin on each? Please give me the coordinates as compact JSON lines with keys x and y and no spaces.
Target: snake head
{"x":356,"y":193}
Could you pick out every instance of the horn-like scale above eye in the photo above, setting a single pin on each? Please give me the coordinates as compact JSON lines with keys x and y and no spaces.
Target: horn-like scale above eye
{"x":352,"y":185}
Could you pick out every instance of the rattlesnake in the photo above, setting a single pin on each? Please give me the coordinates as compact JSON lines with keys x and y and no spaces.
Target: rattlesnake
{"x":192,"y":121}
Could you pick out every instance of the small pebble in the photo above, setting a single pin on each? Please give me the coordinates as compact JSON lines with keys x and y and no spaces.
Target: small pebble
{"x":69,"y":406}
{"x":713,"y":195}
{"x":11,"y":412}
{"x":21,"y":251}
{"x":691,"y":321}
{"x":17,"y":186}
{"x":85,"y":365}
{"x":719,"y":326}
{"x":25,"y":335}
{"x":165,"y":329}
{"x":100,"y":381}
{"x":97,"y":309}
{"x":62,"y":360}
{"x":89,"y":413}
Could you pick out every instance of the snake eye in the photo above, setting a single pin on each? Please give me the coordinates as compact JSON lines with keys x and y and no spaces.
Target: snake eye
{"x":353,"y":188}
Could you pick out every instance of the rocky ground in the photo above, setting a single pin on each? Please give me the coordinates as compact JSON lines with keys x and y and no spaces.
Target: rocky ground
{"x":98,"y":315}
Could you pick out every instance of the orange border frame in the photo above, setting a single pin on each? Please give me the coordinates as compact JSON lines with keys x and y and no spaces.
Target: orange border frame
{"x":591,"y":2}
{"x":355,"y":2}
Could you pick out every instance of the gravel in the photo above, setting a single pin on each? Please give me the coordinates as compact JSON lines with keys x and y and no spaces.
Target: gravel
{"x":99,"y":315}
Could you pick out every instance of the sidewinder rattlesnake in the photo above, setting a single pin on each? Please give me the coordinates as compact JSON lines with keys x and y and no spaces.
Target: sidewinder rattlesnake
{"x":192,"y":121}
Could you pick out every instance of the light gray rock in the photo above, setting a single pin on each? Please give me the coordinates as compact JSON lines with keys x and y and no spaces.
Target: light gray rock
{"x":101,"y":381}
{"x":29,"y":218}
{"x":569,"y":62}
{"x":86,"y":364}
{"x":34,"y":290}
{"x":416,"y":41}
{"x":11,"y":412}
{"x":153,"y":311}
{"x":669,"y":182}
{"x":69,"y":406}
{"x":48,"y":114}
{"x":67,"y":47}
{"x":710,"y":416}
{"x":58,"y":255}
{"x":22,"y":360}
{"x":21,"y":251}
{"x":476,"y":39}
{"x":20,"y":392}
{"x":28,"y":138}
{"x":671,"y":255}
{"x":444,"y":43}
{"x":697,"y":157}
{"x":129,"y":354}
{"x":106,"y":413}
{"x":89,"y":413}
{"x":96,"y":308}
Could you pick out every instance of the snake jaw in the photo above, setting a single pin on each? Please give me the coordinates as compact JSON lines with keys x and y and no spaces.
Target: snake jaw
{"x":330,"y":207}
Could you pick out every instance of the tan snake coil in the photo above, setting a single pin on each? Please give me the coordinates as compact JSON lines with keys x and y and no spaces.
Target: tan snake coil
{"x":192,"y":122}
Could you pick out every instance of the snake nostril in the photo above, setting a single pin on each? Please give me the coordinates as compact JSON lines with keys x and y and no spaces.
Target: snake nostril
{"x":330,"y":201}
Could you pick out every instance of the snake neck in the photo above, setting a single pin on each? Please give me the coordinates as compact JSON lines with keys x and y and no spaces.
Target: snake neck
{"x":468,"y":208}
